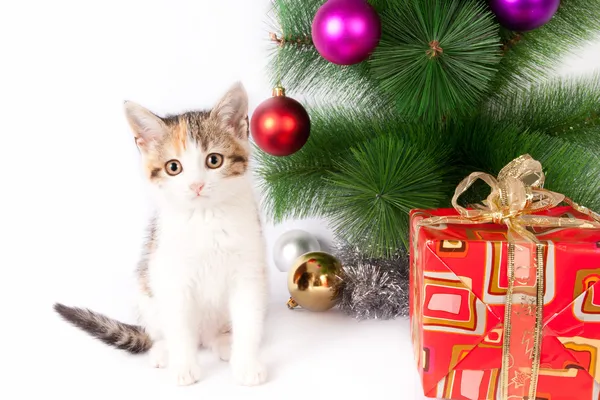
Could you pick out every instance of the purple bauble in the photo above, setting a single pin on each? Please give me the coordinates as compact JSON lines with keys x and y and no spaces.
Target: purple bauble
{"x":346,"y":31}
{"x":524,"y":15}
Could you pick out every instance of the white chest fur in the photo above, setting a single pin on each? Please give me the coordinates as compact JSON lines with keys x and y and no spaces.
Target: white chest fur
{"x":204,"y":249}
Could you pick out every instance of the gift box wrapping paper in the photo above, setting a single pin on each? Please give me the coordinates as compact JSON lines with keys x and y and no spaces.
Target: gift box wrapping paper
{"x":459,"y":283}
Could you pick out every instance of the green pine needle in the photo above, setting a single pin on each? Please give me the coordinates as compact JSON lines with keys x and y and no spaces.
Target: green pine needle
{"x":381,"y":5}
{"x":436,"y":57}
{"x":567,"y":107}
{"x":483,"y":144}
{"x":409,"y":167}
{"x":540,"y":52}
{"x":303,"y":70}
{"x":293,"y":186}
{"x":377,"y":187}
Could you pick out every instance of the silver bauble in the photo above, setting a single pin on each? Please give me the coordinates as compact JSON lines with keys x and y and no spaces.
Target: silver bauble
{"x":292,"y":245}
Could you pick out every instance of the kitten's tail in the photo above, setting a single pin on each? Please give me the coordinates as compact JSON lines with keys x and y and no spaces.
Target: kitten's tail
{"x":123,"y":336}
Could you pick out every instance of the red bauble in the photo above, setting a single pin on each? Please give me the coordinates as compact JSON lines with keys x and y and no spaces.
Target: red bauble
{"x":280,"y":125}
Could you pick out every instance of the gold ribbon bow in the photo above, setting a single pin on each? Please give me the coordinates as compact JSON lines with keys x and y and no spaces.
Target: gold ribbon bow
{"x":516,"y":197}
{"x":517,"y":194}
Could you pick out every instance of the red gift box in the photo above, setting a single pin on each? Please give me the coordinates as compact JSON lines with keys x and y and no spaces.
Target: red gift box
{"x":458,"y":308}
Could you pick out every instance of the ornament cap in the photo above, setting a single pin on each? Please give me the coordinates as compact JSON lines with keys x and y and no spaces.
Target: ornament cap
{"x":292,"y":304}
{"x":278,"y":91}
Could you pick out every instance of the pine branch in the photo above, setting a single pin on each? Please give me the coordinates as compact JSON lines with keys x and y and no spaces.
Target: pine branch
{"x":381,"y":5}
{"x":540,"y":52}
{"x":303,"y":70}
{"x":510,"y":42}
{"x":564,"y":107}
{"x":377,"y":187}
{"x":321,"y":180}
{"x":487,"y":145}
{"x":436,"y":57}
{"x":293,"y":186}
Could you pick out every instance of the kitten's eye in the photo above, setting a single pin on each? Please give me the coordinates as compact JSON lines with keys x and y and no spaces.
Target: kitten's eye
{"x":214,"y":160}
{"x":173,"y":167}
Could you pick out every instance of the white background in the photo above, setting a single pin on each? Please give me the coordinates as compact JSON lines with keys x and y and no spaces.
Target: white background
{"x":73,"y":207}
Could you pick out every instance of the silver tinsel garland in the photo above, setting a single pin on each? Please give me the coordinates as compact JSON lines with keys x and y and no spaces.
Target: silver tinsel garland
{"x":372,"y":288}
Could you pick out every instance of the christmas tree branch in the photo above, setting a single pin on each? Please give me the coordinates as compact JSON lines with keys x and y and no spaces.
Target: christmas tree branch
{"x":436,"y":58}
{"x":510,"y":43}
{"x":487,"y":144}
{"x":560,"y":107}
{"x":293,"y":186}
{"x":290,"y":40}
{"x":539,"y":52}
{"x":382,"y":181}
{"x":302,"y":69}
{"x":358,"y":164}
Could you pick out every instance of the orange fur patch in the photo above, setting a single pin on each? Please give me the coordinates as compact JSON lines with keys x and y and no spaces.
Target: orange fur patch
{"x":154,"y":167}
{"x":179,"y":135}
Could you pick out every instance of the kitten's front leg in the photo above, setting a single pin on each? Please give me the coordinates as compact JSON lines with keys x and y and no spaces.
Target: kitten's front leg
{"x":178,"y":316}
{"x":248,"y":304}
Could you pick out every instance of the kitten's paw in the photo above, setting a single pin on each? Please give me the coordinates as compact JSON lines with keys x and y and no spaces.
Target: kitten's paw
{"x":224,"y":352}
{"x":249,"y":372}
{"x":187,"y":375}
{"x":222,"y":347}
{"x":158,"y":355}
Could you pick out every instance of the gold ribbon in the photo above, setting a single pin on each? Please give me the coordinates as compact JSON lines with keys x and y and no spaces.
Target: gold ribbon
{"x":516,"y":196}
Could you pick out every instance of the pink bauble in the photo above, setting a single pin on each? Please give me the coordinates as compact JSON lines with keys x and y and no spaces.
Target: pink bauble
{"x":346,"y":32}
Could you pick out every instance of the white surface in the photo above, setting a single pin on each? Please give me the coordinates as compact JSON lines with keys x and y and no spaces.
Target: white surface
{"x":311,"y":356}
{"x":72,"y":207}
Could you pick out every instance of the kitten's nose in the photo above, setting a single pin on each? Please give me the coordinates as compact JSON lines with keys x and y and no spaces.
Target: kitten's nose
{"x":197,"y":187}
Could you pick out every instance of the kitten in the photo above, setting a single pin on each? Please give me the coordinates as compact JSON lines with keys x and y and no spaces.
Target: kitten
{"x":202,"y":275}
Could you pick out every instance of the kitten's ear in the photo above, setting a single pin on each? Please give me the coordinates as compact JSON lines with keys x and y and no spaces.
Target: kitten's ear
{"x":232,"y":110}
{"x":147,"y":127}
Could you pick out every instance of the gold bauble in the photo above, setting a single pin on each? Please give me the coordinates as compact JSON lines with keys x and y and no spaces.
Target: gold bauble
{"x":311,"y":281}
